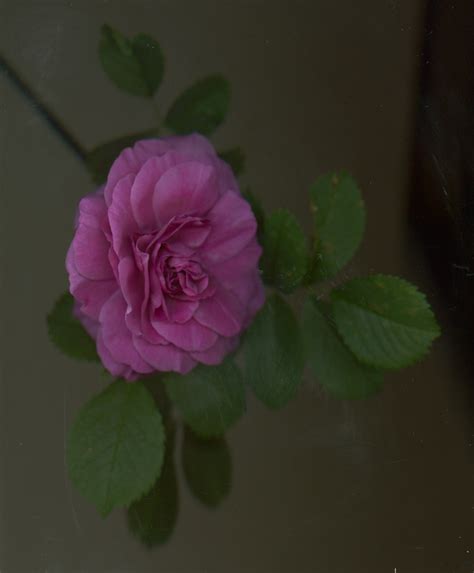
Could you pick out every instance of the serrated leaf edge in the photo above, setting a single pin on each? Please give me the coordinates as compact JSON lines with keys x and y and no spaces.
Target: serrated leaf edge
{"x":332,"y":323}
{"x":379,"y":365}
{"x":147,"y":486}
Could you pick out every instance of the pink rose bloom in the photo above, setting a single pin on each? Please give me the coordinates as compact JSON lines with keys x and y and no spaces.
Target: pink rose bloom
{"x":164,"y":260}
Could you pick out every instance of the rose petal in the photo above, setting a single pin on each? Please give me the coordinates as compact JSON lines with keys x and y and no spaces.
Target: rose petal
{"x":91,"y":250}
{"x":189,"y":237}
{"x":218,"y":352}
{"x":141,"y":197}
{"x":115,"y":368}
{"x":122,"y":222}
{"x":133,"y":158}
{"x":190,"y":336}
{"x":233,"y":227}
{"x":117,"y":337}
{"x":187,"y":189}
{"x":223,"y":313}
{"x":114,"y":261}
{"x":179,"y":311}
{"x":227,"y":180}
{"x":131,"y":283}
{"x":196,"y":147}
{"x":91,"y":326}
{"x":164,"y":357}
{"x":192,"y":147}
{"x":92,"y":211}
{"x":127,"y":163}
{"x":91,"y":294}
{"x":135,"y":289}
{"x":245,"y":262}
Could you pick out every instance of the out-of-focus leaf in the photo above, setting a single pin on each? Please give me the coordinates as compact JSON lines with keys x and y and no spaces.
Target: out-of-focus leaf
{"x":235,"y":158}
{"x":207,"y":467}
{"x":274,"y":354}
{"x":135,"y":66}
{"x":153,"y":517}
{"x":210,"y":398}
{"x":67,"y":333}
{"x":152,"y":63}
{"x":201,"y":108}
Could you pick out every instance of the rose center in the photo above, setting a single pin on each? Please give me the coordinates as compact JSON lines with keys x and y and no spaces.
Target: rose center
{"x":169,"y":261}
{"x":182,"y":277}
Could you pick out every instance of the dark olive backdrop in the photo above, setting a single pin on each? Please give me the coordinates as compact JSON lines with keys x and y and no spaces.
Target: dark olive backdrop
{"x":383,"y":485}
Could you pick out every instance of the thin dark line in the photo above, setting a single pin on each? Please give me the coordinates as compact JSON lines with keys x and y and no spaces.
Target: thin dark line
{"x":41,"y":108}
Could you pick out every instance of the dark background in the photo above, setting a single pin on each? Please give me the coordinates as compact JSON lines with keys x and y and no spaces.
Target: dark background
{"x":380,"y":88}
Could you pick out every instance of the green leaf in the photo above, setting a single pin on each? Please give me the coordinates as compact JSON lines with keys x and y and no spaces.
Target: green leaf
{"x":116,"y":446}
{"x":257,"y":209}
{"x":274,"y":354}
{"x":67,"y":333}
{"x":235,"y":158}
{"x":100,"y":159}
{"x":333,"y":364}
{"x":201,"y":108}
{"x":207,"y":467}
{"x":152,"y":63}
{"x":210,"y":398}
{"x":153,"y":518}
{"x":285,"y":253}
{"x":339,"y":222}
{"x":135,"y":66}
{"x":384,"y":320}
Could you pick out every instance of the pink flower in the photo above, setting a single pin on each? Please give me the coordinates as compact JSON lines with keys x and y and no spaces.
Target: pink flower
{"x":163,"y":263}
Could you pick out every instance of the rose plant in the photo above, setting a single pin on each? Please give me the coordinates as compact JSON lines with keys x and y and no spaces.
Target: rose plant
{"x":167,"y":268}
